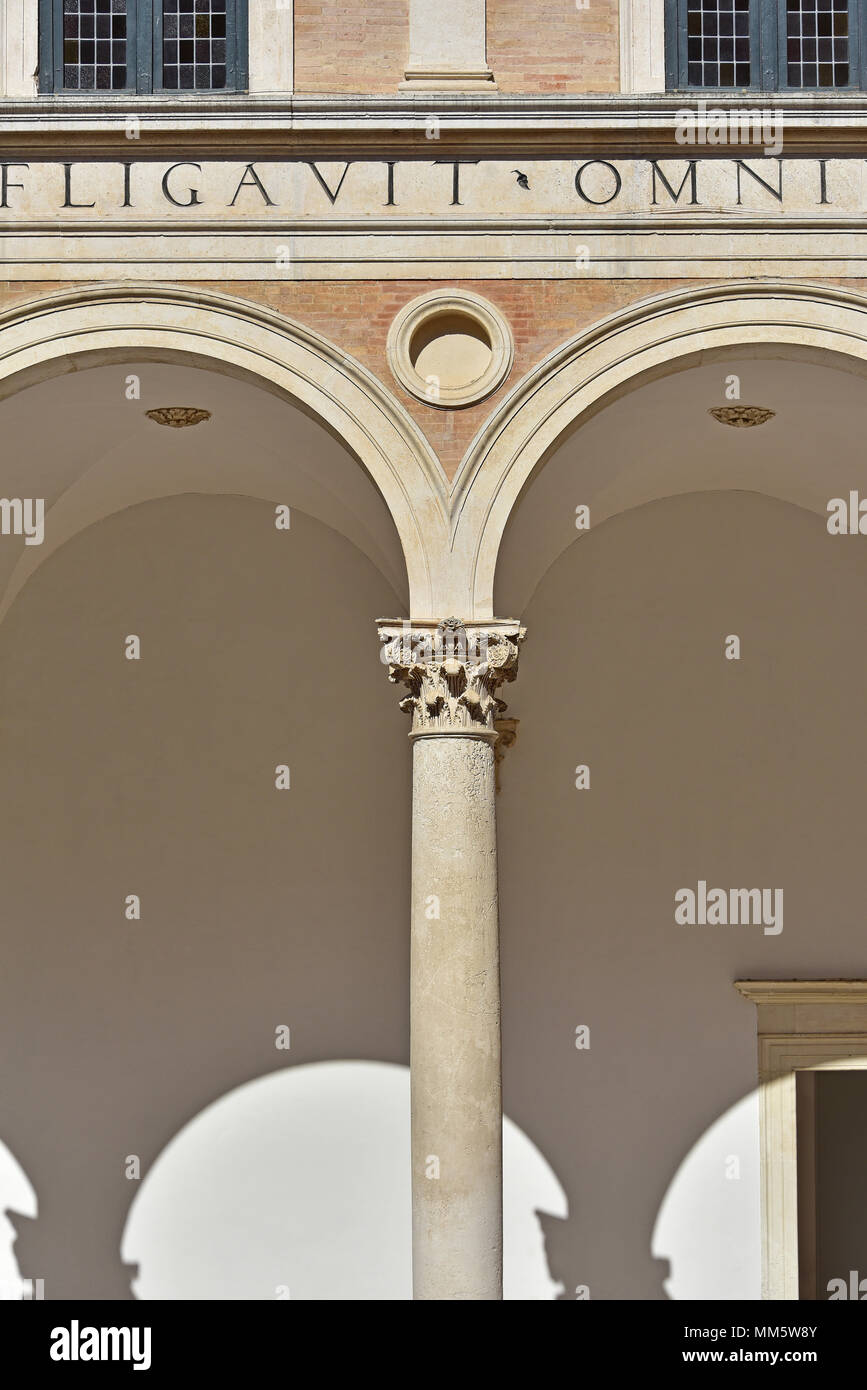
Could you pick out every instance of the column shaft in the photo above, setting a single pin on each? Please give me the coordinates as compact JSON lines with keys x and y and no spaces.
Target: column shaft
{"x":455,"y":1029}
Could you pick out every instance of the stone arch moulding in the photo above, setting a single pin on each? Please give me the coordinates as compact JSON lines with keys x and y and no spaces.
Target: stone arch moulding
{"x":59,"y":332}
{"x":614,"y":355}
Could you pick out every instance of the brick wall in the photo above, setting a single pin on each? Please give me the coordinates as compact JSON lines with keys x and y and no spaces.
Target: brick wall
{"x":357,"y":315}
{"x":343,"y":47}
{"x":554,"y":47}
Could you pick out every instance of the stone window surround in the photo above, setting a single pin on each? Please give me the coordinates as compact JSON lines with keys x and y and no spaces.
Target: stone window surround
{"x":803,"y":1026}
{"x":642,"y":46}
{"x":270,"y":47}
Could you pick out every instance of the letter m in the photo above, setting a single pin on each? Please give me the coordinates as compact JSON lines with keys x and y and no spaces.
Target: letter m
{"x":675,"y":197}
{"x":746,"y":907}
{"x":115,"y":1343}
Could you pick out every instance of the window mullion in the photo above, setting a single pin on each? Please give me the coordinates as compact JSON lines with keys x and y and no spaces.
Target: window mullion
{"x":768,"y":42}
{"x":49,"y":78}
{"x":141,"y":52}
{"x":240,"y":46}
{"x":57,"y":46}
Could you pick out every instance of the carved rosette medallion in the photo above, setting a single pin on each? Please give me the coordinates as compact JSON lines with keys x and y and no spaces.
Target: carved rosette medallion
{"x":178,"y":417}
{"x":452,"y":671}
{"x":742,"y":416}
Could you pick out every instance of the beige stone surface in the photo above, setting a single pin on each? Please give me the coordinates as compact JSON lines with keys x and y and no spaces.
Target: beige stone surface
{"x":447,"y":46}
{"x":18,"y":46}
{"x":271,"y":32}
{"x":642,"y":45}
{"x":278,"y":220}
{"x":455,"y":1022}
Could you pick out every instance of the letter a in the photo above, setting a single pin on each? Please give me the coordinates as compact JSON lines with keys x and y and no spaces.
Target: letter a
{"x":59,"y":1344}
{"x":684,"y":913}
{"x":838,"y":519}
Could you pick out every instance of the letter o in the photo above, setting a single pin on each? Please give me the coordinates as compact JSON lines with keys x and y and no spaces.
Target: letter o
{"x":598,"y":202}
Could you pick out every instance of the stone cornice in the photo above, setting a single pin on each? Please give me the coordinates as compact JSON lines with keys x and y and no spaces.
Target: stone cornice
{"x":803,"y":991}
{"x":628,"y":125}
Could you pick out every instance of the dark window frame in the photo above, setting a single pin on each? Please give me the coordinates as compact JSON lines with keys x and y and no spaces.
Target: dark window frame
{"x":768,"y":66}
{"x":144,"y":52}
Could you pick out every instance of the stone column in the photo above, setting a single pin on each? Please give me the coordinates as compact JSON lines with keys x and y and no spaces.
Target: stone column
{"x":452,"y":672}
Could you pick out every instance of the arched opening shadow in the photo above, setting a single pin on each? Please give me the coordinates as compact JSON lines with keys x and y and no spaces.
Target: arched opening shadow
{"x":709,"y":1223}
{"x":297,"y":1185}
{"x":17,"y":1201}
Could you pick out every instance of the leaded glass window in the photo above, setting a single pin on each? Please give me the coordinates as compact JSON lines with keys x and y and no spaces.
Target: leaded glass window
{"x":93,"y":46}
{"x":194,"y":44}
{"x":817,"y":43}
{"x":765,"y":45}
{"x":718,"y":43}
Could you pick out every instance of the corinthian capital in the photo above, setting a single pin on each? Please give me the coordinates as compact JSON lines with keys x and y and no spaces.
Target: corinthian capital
{"x":452,"y":671}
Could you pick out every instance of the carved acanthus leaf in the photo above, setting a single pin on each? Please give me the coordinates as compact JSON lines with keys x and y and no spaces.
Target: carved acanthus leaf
{"x":452,"y":671}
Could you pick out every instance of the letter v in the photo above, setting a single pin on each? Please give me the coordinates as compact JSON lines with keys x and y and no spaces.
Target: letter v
{"x":333,"y":196}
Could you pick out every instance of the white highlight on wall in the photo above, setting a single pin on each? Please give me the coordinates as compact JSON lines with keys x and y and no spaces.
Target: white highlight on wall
{"x":300,"y":1181}
{"x":16,"y":1194}
{"x":709,"y":1223}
